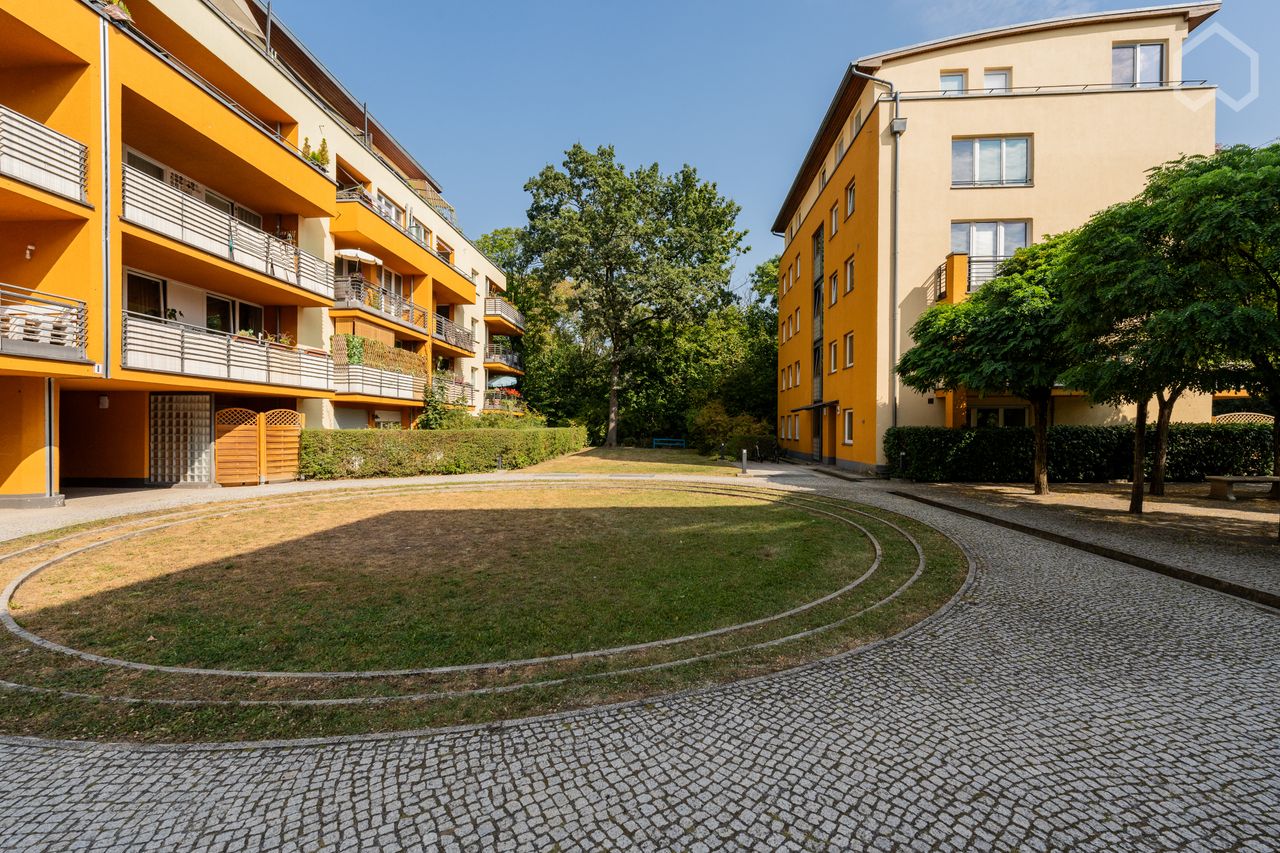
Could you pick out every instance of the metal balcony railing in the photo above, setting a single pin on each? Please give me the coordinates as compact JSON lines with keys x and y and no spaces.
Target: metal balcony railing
{"x":353,"y":291}
{"x":168,"y":346}
{"x":42,"y":157}
{"x":42,"y":325}
{"x":940,"y":282}
{"x":373,"y":381}
{"x":451,"y":333}
{"x":502,"y":355}
{"x":454,"y":391}
{"x":498,"y":400}
{"x":361,"y":196}
{"x":155,"y":205}
{"x":495,"y":307}
{"x":984,"y":268}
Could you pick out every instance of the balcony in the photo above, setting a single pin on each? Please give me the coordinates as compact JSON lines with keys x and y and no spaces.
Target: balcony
{"x":158,"y":207}
{"x":502,"y":357}
{"x":353,"y":291}
{"x":375,"y":382}
{"x":500,"y":400}
{"x":36,"y":155}
{"x":505,"y":316}
{"x":167,"y":346}
{"x":453,"y":336}
{"x":984,"y":268}
{"x":41,"y":325}
{"x":454,"y":392}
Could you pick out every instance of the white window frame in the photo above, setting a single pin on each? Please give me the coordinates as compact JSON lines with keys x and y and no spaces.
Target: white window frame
{"x":848,"y":426}
{"x":850,"y":198}
{"x":1006,"y":86}
{"x":1000,"y":233}
{"x":1136,"y":49}
{"x":387,"y":207}
{"x":835,"y":357}
{"x":975,"y":143}
{"x":822,"y":178}
{"x":848,"y":275}
{"x":947,"y":75}
{"x":835,"y":219}
{"x":848,"y":349}
{"x":835,"y":287}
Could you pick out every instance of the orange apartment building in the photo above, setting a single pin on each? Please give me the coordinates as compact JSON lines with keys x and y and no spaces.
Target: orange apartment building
{"x":202,"y":230}
{"x":934,"y":163}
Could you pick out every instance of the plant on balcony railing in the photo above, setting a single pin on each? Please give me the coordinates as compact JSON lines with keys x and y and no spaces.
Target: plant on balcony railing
{"x":356,"y":350}
{"x":504,"y":400}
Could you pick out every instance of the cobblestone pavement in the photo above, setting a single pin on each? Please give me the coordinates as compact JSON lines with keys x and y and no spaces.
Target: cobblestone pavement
{"x":1068,"y":702}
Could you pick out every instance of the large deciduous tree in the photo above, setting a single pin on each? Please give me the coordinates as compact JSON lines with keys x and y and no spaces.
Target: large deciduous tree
{"x":1008,"y":337}
{"x":638,"y":250}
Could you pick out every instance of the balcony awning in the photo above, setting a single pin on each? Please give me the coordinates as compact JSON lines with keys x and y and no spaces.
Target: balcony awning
{"x":822,"y":405}
{"x":358,"y":255}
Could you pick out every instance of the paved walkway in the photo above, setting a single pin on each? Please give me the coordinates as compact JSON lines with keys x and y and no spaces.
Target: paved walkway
{"x":1069,"y":703}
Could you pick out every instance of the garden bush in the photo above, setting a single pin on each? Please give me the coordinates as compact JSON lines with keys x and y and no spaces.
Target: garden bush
{"x":340,"y":454}
{"x":711,"y":426}
{"x":1076,"y":453}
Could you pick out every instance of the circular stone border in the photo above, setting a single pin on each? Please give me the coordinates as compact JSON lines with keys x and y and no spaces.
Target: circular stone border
{"x":752,"y":492}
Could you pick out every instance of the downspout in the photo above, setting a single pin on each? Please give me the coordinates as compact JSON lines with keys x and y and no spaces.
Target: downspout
{"x":897,"y":127}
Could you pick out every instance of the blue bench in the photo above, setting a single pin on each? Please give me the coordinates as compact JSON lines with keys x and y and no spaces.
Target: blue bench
{"x":668,"y":442}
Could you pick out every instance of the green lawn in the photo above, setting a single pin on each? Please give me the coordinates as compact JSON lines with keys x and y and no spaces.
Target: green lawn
{"x":636,"y":460}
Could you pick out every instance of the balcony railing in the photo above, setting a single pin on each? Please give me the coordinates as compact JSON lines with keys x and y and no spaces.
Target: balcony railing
{"x":940,"y":282}
{"x":984,"y":268}
{"x":36,"y":155}
{"x":375,"y":382}
{"x":451,"y":333}
{"x":502,"y":355}
{"x":155,"y":205}
{"x":498,"y":400}
{"x":41,"y":325}
{"x":494,"y":307}
{"x":454,"y":391}
{"x":354,"y":291}
{"x":168,"y":346}
{"x":361,"y":195}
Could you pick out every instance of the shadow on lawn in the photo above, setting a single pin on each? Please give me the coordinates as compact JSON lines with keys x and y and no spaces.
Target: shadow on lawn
{"x":412,"y":588}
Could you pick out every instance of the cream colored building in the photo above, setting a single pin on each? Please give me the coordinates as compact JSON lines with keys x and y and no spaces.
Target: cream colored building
{"x":919,"y":181}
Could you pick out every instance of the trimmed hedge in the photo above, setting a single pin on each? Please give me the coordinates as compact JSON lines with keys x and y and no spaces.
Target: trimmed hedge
{"x":340,"y":454}
{"x":1088,"y":454}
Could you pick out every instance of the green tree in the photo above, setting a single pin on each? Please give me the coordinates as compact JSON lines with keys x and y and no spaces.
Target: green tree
{"x":1220,"y":216}
{"x":1122,"y":293}
{"x":640,"y":250}
{"x":764,"y":282}
{"x":1008,"y":337}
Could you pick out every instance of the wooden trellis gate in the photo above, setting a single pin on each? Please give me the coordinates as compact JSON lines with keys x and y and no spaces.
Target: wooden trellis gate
{"x":256,"y":447}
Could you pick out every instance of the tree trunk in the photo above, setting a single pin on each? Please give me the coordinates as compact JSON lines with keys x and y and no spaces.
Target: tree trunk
{"x":1164,"y":414}
{"x":1040,"y":466}
{"x":1139,"y":456}
{"x":611,"y":434}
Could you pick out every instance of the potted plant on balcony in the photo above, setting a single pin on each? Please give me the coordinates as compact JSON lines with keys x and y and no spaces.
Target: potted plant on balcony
{"x":116,"y":10}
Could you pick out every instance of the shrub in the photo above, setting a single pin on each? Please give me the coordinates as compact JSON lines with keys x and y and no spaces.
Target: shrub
{"x":353,"y":349}
{"x":711,"y":426}
{"x":760,"y":447}
{"x":340,"y":454}
{"x":1076,"y":453}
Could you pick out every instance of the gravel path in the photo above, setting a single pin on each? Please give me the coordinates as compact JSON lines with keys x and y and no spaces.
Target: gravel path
{"x":1069,"y":702}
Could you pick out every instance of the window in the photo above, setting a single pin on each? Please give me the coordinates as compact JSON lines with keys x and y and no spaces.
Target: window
{"x":144,"y":165}
{"x":848,"y":350}
{"x":418,"y":231}
{"x":856,"y":124}
{"x":835,"y":219}
{"x":953,"y":82}
{"x":388,"y":208}
{"x":796,"y":328}
{"x":1137,"y":64}
{"x":835,"y":357}
{"x":444,"y":250}
{"x":999,"y":416}
{"x":145,"y":295}
{"x":988,"y":239}
{"x":848,"y":426}
{"x":835,"y":286}
{"x":392,"y":282}
{"x":822,"y":178}
{"x":991,"y":162}
{"x":840,"y":148}
{"x":250,"y":318}
{"x":848,"y":276}
{"x":218,"y":314}
{"x":850,"y":196}
{"x":996,"y":80}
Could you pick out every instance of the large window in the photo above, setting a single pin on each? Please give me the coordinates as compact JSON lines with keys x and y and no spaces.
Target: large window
{"x":1137,"y":64}
{"x":145,"y":295}
{"x":991,"y":162}
{"x":989,"y":239}
{"x":998,"y":416}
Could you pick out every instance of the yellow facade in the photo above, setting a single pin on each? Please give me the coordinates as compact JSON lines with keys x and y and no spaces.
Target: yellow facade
{"x":170,"y":239}
{"x":1087,"y":143}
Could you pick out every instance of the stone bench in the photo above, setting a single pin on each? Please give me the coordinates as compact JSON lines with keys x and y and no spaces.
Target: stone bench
{"x":1223,"y":488}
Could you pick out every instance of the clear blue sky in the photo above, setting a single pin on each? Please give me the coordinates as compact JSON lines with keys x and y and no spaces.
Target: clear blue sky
{"x":735,"y":87}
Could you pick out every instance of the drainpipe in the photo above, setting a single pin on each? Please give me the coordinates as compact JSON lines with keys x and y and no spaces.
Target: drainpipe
{"x":897,"y":127}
